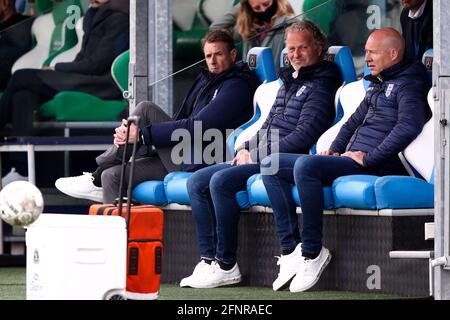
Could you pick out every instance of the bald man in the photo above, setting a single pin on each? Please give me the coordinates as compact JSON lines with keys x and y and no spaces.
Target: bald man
{"x":389,"y":118}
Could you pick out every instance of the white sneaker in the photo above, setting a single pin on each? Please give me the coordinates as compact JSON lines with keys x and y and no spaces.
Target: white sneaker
{"x":309,"y":271}
{"x":80,"y":187}
{"x":289,"y":264}
{"x":213,"y":277}
{"x":200,"y":269}
{"x":11,"y":176}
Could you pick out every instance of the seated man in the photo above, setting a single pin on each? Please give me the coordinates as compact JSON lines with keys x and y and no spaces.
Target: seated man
{"x":106,"y":35}
{"x":303,"y":110}
{"x":221,"y":98}
{"x":15,"y":38}
{"x":391,"y":115}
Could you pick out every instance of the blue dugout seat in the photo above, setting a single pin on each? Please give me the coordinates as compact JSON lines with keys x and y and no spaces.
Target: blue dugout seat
{"x":173,"y":188}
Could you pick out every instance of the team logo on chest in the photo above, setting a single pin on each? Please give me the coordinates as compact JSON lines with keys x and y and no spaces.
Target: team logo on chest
{"x":389,"y":90}
{"x":300,"y":91}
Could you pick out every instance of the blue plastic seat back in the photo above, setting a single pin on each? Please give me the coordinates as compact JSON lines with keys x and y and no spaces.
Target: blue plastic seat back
{"x":260,"y":60}
{"x":349,"y":98}
{"x":342,"y":56}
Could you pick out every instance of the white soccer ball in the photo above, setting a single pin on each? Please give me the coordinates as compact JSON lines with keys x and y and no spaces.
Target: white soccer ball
{"x":21,"y":203}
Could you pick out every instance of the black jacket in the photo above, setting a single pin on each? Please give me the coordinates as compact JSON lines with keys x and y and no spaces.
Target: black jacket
{"x":418,"y":31}
{"x":106,"y":36}
{"x":389,"y":118}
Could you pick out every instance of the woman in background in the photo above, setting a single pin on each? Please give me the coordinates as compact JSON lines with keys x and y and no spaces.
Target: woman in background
{"x":258,"y":23}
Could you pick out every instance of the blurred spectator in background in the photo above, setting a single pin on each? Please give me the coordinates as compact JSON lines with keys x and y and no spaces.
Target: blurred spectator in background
{"x":15,"y":38}
{"x":417,"y":27}
{"x":106,"y":35}
{"x":259,"y":23}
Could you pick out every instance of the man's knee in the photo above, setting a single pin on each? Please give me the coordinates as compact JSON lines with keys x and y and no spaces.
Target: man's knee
{"x":148,"y":113}
{"x":110,"y":176}
{"x":197,"y":185}
{"x":22,"y":78}
{"x":306,"y":165}
{"x":220,"y":182}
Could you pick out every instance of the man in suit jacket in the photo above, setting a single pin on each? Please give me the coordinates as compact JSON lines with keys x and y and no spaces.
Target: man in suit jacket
{"x":106,"y":35}
{"x":417,"y":27}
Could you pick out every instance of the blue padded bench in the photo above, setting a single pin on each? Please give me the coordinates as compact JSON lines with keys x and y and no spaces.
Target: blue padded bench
{"x":173,"y":188}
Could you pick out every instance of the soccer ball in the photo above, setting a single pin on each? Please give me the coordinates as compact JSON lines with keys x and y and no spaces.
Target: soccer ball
{"x":21,"y":203}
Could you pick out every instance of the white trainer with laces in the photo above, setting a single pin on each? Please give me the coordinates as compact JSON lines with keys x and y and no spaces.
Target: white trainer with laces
{"x":309,"y":271}
{"x":215,"y":277}
{"x":80,"y":187}
{"x":200,"y":269}
{"x":289,"y":264}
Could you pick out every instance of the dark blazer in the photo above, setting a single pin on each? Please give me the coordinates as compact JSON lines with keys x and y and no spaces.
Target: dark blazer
{"x":106,"y":36}
{"x":424,"y":30}
{"x":389,"y":118}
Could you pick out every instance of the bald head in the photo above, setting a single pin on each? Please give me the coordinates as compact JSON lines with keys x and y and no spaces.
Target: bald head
{"x":384,"y":48}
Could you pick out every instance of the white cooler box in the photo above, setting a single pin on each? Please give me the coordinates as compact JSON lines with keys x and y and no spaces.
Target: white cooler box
{"x":74,"y":257}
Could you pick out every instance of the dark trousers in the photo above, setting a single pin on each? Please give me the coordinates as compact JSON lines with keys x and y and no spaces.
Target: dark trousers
{"x":212,"y":191}
{"x":310,"y":173}
{"x":24,"y":93}
{"x":151,"y":165}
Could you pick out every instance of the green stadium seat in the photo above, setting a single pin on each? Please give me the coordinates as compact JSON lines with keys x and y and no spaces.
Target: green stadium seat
{"x":51,"y":35}
{"x":70,"y":55}
{"x":79,"y":106}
